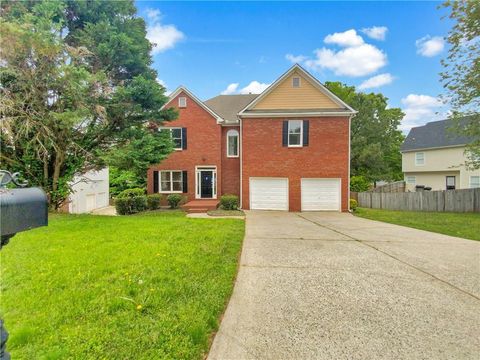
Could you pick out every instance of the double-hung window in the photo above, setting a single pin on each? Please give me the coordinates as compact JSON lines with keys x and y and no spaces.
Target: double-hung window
{"x":171,"y":181}
{"x":411,"y":180}
{"x":176,"y":135}
{"x":232,"y":143}
{"x":474,"y":182}
{"x":295,"y":133}
{"x":419,"y":159}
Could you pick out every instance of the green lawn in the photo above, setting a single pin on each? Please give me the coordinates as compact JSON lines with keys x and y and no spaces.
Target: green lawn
{"x":465,"y":225}
{"x":150,"y":286}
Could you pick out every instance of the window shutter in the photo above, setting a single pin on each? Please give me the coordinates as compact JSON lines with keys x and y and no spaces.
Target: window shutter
{"x":285,"y":133}
{"x":305,"y":132}
{"x":185,"y":181}
{"x":184,"y":138}
{"x":155,"y":181}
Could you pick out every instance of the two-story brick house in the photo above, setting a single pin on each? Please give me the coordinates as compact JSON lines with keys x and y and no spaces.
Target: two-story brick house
{"x":285,"y":149}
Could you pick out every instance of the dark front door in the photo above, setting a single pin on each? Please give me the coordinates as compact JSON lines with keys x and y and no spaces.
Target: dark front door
{"x":206,"y":184}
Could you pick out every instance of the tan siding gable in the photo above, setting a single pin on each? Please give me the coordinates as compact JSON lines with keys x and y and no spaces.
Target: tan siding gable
{"x":285,"y":96}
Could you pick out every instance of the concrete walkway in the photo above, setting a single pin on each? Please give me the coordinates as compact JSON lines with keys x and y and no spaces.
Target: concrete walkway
{"x":334,"y":286}
{"x":107,"y":211}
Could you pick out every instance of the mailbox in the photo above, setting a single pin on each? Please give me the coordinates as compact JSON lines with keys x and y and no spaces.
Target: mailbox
{"x":22,"y":209}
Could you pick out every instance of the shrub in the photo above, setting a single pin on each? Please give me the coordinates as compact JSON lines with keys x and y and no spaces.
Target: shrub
{"x":353,"y":204}
{"x":131,"y":193}
{"x":174,"y":200}
{"x":153,"y":201}
{"x":229,"y":202}
{"x":359,"y":184}
{"x":130,"y":205}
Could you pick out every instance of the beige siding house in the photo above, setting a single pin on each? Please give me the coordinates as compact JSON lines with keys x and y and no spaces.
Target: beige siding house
{"x":434,"y":156}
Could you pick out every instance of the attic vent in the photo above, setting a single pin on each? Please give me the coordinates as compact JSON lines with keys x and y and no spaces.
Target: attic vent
{"x":182,"y":102}
{"x":296,"y":81}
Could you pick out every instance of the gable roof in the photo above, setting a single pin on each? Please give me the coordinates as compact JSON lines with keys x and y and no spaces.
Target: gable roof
{"x":344,"y":109}
{"x":228,"y":106}
{"x":174,"y":94}
{"x":435,"y":134}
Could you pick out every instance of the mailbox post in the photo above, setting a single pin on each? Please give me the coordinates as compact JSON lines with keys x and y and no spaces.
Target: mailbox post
{"x":21,"y":209}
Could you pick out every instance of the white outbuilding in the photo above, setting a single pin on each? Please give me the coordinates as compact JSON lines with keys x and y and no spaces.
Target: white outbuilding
{"x":90,"y":192}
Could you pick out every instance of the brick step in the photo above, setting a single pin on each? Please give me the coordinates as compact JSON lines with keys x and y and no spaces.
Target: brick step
{"x":196,"y":210}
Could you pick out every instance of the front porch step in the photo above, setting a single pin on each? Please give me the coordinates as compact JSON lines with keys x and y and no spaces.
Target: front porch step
{"x":200,"y":206}
{"x":196,"y":210}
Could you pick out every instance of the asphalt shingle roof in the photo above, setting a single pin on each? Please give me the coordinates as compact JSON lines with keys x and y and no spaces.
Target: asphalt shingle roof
{"x":432,"y":135}
{"x":228,"y":106}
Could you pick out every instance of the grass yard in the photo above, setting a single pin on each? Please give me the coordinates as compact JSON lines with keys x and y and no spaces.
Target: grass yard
{"x":465,"y":225}
{"x":150,"y":286}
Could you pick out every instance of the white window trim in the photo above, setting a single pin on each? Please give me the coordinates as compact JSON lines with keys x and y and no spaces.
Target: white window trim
{"x":171,"y":182}
{"x":182,"y":102}
{"x":414,"y":179}
{"x":181,"y":136}
{"x":416,"y":160}
{"x":470,"y":181}
{"x":301,"y":134}
{"x":299,"y":81}
{"x":198,"y":170}
{"x":231,"y":133}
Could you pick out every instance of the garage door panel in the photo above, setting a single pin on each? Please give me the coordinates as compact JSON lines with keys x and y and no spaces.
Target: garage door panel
{"x":321,"y":194}
{"x":268,"y":194}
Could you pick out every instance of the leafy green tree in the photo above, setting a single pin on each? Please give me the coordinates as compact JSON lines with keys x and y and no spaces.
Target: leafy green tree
{"x":461,"y":75}
{"x":375,"y":138}
{"x":77,"y":90}
{"x":359,"y":184}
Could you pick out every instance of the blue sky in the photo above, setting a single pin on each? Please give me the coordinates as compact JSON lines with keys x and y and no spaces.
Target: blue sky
{"x":390,"y":47}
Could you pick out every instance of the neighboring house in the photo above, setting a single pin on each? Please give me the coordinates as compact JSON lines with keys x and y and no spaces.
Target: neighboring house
{"x":90,"y":192}
{"x":285,"y":149}
{"x":434,"y":156}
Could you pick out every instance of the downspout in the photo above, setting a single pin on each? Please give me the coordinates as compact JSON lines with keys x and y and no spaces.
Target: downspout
{"x":349,"y":155}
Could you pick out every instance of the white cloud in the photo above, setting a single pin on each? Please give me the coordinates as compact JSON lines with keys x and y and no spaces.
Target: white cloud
{"x":353,"y":61}
{"x":356,"y":59}
{"x":346,"y":38}
{"x":162,"y":37}
{"x":295,"y":59}
{"x":231,"y":89}
{"x":376,"y":32}
{"x":153,"y":14}
{"x":254,"y":87}
{"x":430,"y":46}
{"x":376,"y":81}
{"x":420,"y":109}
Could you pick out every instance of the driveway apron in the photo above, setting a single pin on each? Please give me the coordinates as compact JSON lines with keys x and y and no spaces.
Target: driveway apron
{"x":334,"y":286}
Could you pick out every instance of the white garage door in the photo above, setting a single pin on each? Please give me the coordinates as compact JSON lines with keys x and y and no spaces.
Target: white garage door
{"x":321,"y":194}
{"x":268,"y":194}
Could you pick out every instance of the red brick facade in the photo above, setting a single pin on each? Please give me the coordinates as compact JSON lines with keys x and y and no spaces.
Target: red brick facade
{"x":204,"y":145}
{"x":326,"y":156}
{"x":262,"y":153}
{"x":230,"y":166}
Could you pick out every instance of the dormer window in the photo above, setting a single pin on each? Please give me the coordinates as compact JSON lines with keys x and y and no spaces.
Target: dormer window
{"x":182,"y":102}
{"x":295,"y":81}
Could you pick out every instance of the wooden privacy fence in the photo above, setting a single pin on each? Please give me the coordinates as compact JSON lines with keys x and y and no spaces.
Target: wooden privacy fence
{"x":465,"y":200}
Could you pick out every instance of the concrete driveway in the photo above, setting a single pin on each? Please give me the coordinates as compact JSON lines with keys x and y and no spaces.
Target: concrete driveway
{"x":334,"y":286}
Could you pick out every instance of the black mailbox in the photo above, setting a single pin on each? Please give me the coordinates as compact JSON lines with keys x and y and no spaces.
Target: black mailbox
{"x":22,"y":209}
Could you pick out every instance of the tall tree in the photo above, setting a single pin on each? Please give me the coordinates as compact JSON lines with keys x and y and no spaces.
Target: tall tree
{"x":461,"y":75}
{"x":77,"y":87}
{"x":375,"y":138}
